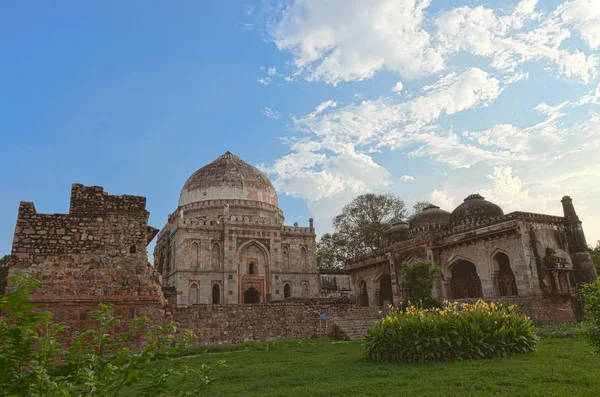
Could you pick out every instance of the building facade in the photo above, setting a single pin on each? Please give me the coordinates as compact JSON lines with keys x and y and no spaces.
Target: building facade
{"x":227,"y":243}
{"x":534,"y":259}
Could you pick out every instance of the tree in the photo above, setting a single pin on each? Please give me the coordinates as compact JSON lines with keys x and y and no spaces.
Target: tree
{"x":418,"y":278}
{"x":595,"y":252}
{"x":362,"y":222}
{"x":331,"y":251}
{"x":418,"y":207}
{"x":3,"y":273}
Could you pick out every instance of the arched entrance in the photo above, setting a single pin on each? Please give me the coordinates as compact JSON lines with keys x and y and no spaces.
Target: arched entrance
{"x":287,"y":291}
{"x":506,"y":284}
{"x":385,"y":290}
{"x":251,"y":295}
{"x":216,"y":294}
{"x":465,"y":281}
{"x":363,"y":297}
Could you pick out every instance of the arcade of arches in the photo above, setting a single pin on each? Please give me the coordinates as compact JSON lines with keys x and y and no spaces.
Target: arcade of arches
{"x":462,"y":281}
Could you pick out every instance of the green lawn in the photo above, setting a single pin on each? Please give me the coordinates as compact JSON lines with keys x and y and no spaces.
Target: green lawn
{"x":560,"y":367}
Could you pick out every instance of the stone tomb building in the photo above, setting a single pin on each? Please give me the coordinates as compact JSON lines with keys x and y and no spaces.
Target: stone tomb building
{"x":531,"y":259}
{"x":227,"y":243}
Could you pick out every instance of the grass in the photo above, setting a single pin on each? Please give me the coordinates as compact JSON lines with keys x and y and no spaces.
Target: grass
{"x":560,"y":367}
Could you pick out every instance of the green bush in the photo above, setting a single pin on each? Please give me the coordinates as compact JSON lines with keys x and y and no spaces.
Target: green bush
{"x":418,"y":278}
{"x":96,"y":362}
{"x":427,"y":303}
{"x":453,"y":333}
{"x":591,"y":327}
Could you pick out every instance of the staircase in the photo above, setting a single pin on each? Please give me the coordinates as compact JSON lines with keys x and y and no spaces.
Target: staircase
{"x":354,"y":328}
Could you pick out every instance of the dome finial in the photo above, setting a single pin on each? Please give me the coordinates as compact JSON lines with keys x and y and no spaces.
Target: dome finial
{"x":228,"y":155}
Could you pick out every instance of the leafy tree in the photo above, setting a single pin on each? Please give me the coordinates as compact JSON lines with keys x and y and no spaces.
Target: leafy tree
{"x":97,"y":362}
{"x":362,"y":222}
{"x":360,"y":226}
{"x":591,"y":329}
{"x":419,"y":278}
{"x":3,"y":272}
{"x":595,"y":252}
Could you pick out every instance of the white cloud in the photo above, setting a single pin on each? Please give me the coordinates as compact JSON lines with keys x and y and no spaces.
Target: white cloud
{"x":271,"y":113}
{"x":350,"y":40}
{"x":442,"y":199}
{"x":397,"y":88}
{"x":272,"y":71}
{"x":264,"y":81}
{"x":346,"y":40}
{"x":585,"y":16}
{"x":407,"y":178}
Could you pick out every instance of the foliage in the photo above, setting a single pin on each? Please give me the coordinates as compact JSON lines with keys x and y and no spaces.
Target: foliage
{"x":558,"y":367}
{"x":3,"y":273}
{"x":557,"y":330}
{"x":591,"y":330}
{"x":96,"y":362}
{"x":426,"y":303}
{"x":418,"y":207}
{"x":418,"y":278}
{"x":362,"y":222}
{"x":457,"y":332}
{"x":331,"y":251}
{"x":595,"y":252}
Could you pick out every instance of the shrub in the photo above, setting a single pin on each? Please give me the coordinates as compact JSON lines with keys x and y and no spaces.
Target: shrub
{"x":427,"y":303}
{"x":452,"y":333}
{"x":591,"y":327}
{"x":418,"y":278}
{"x":96,"y":362}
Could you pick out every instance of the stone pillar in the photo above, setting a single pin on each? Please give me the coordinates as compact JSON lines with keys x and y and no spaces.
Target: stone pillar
{"x":396,"y":295}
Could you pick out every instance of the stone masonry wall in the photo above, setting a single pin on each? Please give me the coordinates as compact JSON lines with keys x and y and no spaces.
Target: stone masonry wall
{"x":96,"y":253}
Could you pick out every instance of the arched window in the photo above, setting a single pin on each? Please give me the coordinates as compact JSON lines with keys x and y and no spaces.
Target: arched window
{"x":195,"y":254}
{"x":506,"y":283}
{"x":363,"y":297}
{"x":216,"y":256}
{"x":194,"y":294}
{"x":286,"y":257}
{"x":161,"y":261}
{"x":251,"y":268}
{"x":287,"y":291}
{"x":303,"y":256}
{"x":216,"y":294}
{"x":304,"y":290}
{"x":465,"y":282}
{"x":132,"y":249}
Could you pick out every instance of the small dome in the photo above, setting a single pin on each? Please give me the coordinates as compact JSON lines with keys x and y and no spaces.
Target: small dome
{"x":228,"y":178}
{"x":432,"y":218}
{"x":475,"y":208}
{"x":398,"y":231}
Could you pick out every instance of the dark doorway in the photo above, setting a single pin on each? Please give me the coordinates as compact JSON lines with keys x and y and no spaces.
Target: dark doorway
{"x":385,"y":290}
{"x":465,"y":281}
{"x":363,"y":297}
{"x":506,"y":278}
{"x":251,"y":268}
{"x":251,"y":295}
{"x":216,"y":294}
{"x":287,"y":291}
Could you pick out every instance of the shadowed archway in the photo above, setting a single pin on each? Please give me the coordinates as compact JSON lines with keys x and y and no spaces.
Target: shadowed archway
{"x":251,"y":295}
{"x":465,"y":282}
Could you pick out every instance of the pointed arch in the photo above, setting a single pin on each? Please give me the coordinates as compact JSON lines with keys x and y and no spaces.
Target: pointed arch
{"x":287,"y":290}
{"x":286,"y":256}
{"x":258,"y":245}
{"x":215,"y":260}
{"x":362,"y":294}
{"x":195,"y":254}
{"x":216,"y":294}
{"x":194,"y":294}
{"x":303,"y":257}
{"x":305,"y":289}
{"x":504,"y":278}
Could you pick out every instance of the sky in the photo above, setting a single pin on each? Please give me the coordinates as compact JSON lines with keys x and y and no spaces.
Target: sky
{"x":427,"y":99}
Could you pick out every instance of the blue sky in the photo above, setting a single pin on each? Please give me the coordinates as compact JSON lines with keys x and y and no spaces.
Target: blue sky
{"x":427,"y":99}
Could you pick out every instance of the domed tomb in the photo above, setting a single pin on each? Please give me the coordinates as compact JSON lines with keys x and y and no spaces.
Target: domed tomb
{"x":398,"y":231}
{"x":432,"y":218}
{"x":475,"y":208}
{"x":228,"y":178}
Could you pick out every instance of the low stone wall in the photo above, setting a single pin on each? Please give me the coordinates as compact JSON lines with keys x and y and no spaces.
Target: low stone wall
{"x":261,"y":322}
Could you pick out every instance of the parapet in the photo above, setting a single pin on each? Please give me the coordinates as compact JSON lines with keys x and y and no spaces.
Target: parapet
{"x":85,"y":199}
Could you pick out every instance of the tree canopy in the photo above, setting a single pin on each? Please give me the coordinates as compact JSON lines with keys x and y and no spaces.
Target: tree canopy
{"x":360,"y":226}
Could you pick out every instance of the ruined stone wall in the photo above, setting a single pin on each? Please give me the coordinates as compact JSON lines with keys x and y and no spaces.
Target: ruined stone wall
{"x":277,"y":320}
{"x":335,"y":285}
{"x":96,"y":253}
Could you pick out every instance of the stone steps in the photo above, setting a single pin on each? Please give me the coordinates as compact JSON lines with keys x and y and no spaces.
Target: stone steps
{"x":354,"y":328}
